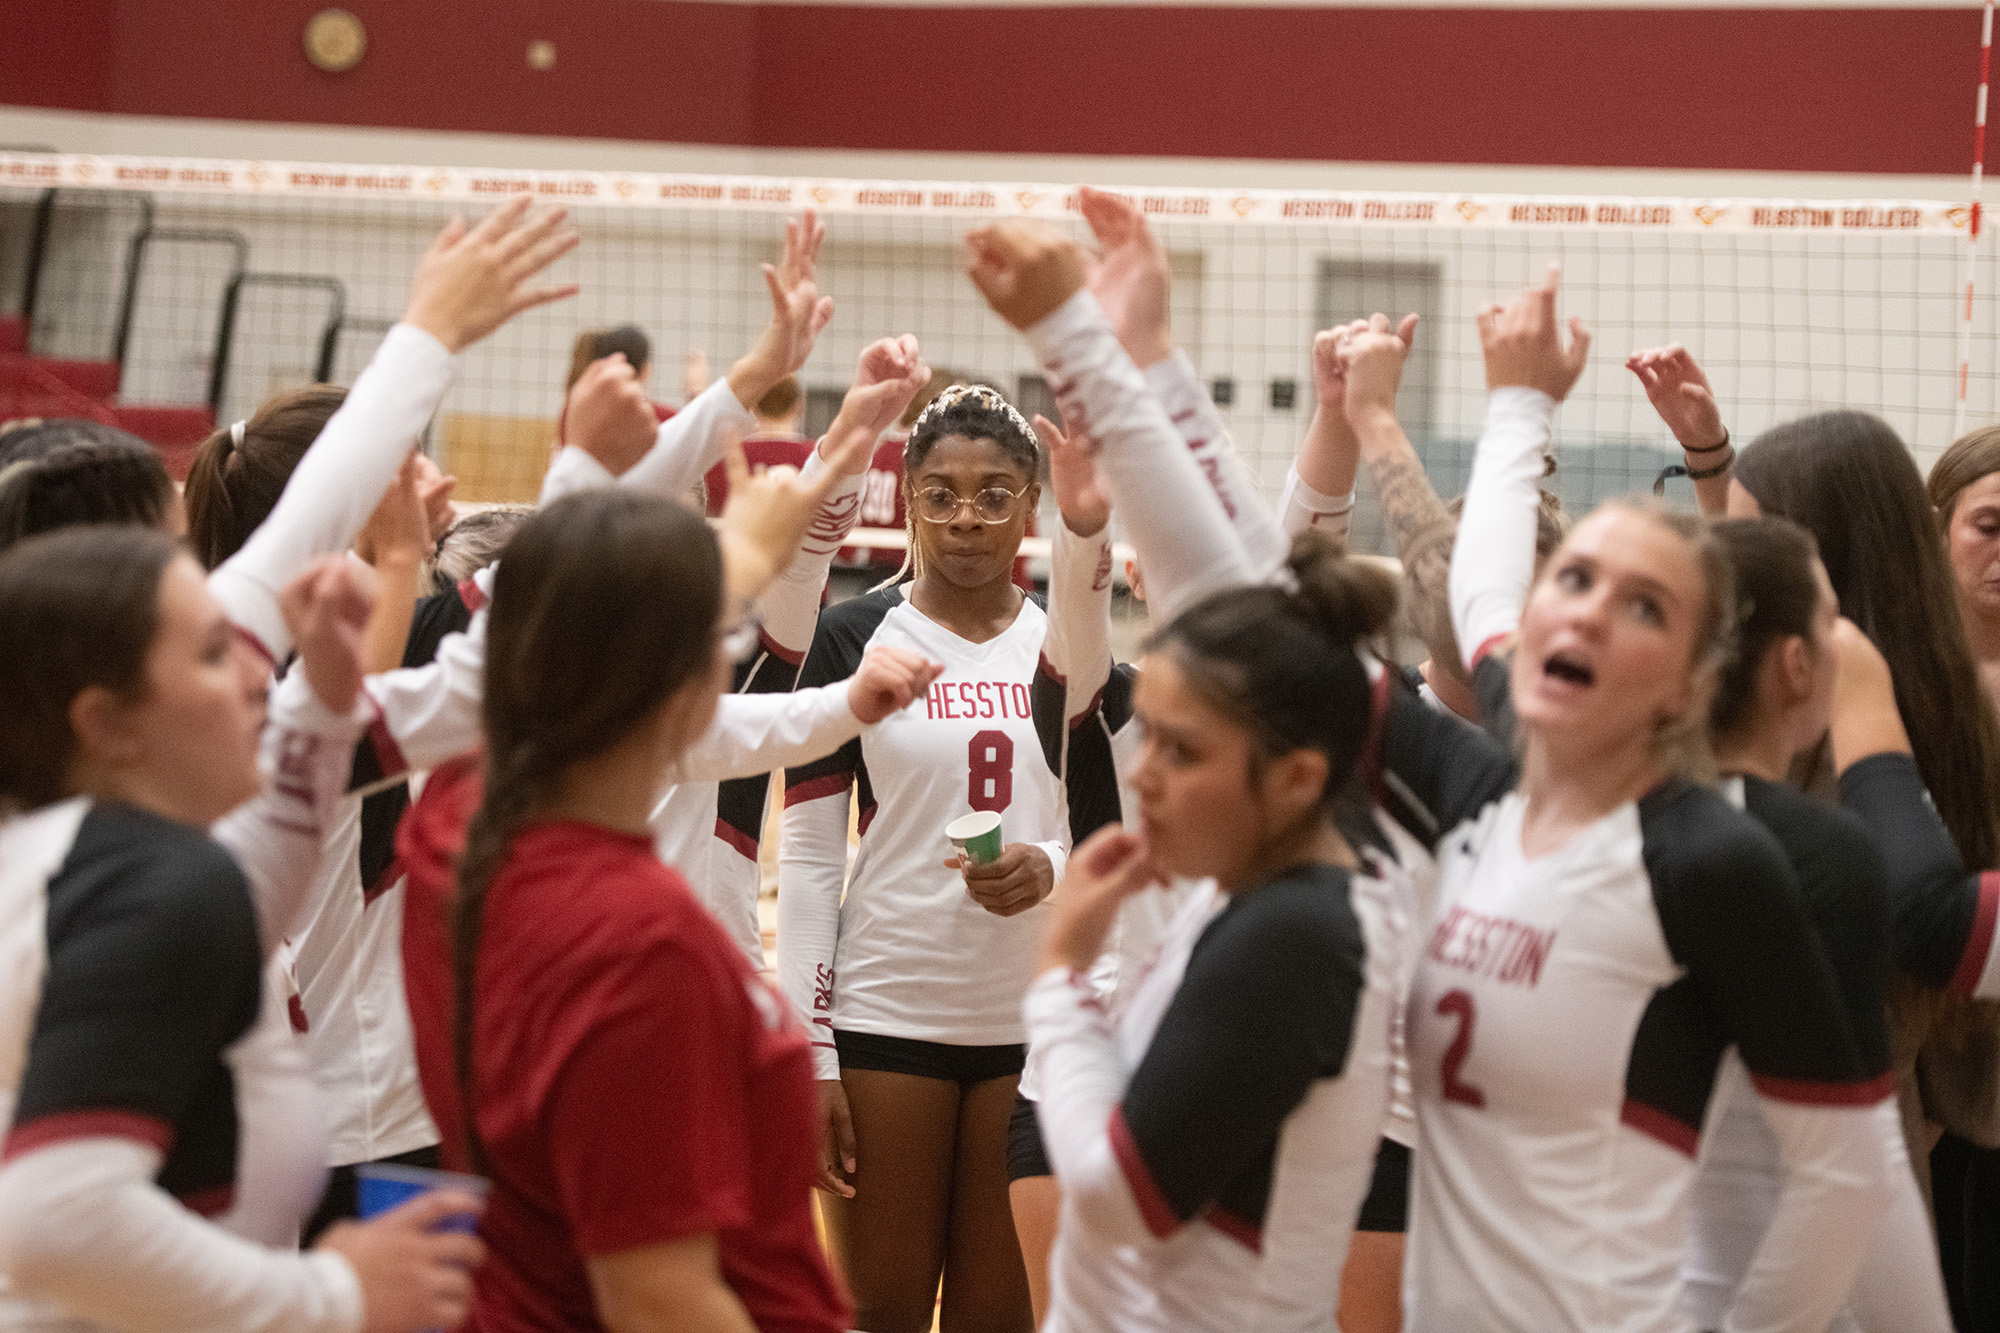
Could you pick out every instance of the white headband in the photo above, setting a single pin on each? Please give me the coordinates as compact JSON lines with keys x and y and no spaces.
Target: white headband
{"x":984,"y":397}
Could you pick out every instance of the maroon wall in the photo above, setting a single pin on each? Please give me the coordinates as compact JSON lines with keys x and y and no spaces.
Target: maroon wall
{"x":1874,"y":90}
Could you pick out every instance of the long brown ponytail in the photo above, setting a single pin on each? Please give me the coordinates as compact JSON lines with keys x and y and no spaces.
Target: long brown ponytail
{"x":605,"y":605}
{"x":239,"y":472}
{"x":1848,"y":479}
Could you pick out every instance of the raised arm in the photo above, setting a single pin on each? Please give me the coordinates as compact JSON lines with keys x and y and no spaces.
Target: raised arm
{"x":317,"y":712}
{"x":1131,"y":280}
{"x":887,"y":378}
{"x":1371,"y":356}
{"x":1528,"y":371}
{"x":1680,"y":393}
{"x":1075,"y":691}
{"x":468,"y":284}
{"x":396,"y":541}
{"x":798,"y":313}
{"x":619,"y":438}
{"x":1034,"y":278}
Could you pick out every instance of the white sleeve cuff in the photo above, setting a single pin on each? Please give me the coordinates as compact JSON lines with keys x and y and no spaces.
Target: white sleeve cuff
{"x":1076,"y":315}
{"x":1518,"y":403}
{"x":1302,"y":509}
{"x":574,"y":469}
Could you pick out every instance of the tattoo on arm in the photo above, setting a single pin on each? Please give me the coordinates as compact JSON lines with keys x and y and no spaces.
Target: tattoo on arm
{"x":1424,"y":530}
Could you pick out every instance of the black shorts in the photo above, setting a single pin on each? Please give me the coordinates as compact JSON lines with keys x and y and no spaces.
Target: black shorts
{"x":1387,"y":1207}
{"x":342,"y":1199}
{"x":1026,"y":1158}
{"x":963,"y":1065}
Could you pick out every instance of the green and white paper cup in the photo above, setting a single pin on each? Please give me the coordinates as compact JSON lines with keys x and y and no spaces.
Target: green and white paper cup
{"x":977,"y":837}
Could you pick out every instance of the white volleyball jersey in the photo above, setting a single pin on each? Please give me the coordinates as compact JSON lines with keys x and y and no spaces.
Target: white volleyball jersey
{"x":347,"y":968}
{"x":908,"y":952}
{"x":1091,"y":738}
{"x":1740,"y":1170}
{"x":1216,"y":1141}
{"x":711,"y":831}
{"x":1566,"y":1025}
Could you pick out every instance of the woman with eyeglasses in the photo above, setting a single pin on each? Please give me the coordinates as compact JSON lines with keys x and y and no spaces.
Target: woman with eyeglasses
{"x":913,"y":983}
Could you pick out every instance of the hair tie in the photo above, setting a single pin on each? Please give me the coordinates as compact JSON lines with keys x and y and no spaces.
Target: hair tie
{"x":236,"y":434}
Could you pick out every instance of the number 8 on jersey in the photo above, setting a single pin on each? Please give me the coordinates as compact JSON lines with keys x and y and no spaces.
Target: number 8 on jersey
{"x":989,"y":762}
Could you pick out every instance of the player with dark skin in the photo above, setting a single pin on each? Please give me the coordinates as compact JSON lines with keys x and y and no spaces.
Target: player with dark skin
{"x":934,"y":1149}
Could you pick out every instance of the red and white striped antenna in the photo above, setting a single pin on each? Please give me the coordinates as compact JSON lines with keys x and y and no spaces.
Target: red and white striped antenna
{"x":1972,"y":223}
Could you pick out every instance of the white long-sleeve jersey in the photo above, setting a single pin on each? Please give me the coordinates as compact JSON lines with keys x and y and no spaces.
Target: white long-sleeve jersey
{"x":1168,"y":1221}
{"x":1083,"y":705}
{"x":1097,"y":745}
{"x":711,"y":831}
{"x":148,"y":1069}
{"x":1215,"y":1142}
{"x":338,"y":483}
{"x":1569,"y":1014}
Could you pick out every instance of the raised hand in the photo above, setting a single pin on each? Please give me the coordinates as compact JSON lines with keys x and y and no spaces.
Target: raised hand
{"x":608,"y":415}
{"x":1080,"y":492}
{"x":1371,"y":359}
{"x":891,"y":373}
{"x":1680,"y":393}
{"x":326,"y":608}
{"x":694,"y":372}
{"x":434,"y":488}
{"x":1523,"y":342}
{"x":1329,"y":371}
{"x":413,"y":1275}
{"x":798,"y":313}
{"x":888,"y":681}
{"x":763,"y":521}
{"x":1024,"y":269}
{"x":1130,"y":278}
{"x":401,"y":529}
{"x":1110,"y":866}
{"x":470,"y":282}
{"x":1022,"y":877}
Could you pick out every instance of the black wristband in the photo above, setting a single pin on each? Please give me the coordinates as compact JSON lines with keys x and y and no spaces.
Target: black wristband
{"x":1706,"y":473}
{"x":1692,"y":474}
{"x":1711,"y":449}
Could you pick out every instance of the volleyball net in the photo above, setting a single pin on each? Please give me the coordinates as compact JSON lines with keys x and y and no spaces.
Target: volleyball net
{"x":221,"y":282}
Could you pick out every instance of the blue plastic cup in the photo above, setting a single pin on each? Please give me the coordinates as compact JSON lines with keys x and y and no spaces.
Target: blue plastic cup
{"x":381,"y":1186}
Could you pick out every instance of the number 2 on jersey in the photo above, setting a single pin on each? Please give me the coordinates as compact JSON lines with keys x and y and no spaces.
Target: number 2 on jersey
{"x":989,"y":762}
{"x":1458,"y":1003}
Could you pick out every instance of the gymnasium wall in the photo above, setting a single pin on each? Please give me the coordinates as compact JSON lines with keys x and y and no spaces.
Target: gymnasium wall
{"x":1872,"y":89}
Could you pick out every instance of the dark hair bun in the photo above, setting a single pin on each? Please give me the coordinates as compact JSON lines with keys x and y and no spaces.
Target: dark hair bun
{"x":1347,"y":598}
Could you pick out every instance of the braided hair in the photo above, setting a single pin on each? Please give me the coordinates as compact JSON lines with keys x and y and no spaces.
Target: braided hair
{"x":570,"y":672}
{"x":975,"y":412}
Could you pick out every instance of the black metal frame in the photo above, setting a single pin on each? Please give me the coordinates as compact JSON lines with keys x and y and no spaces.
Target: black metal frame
{"x":135,"y":258}
{"x":225,"y":334}
{"x":38,"y":244}
{"x":355,"y":323}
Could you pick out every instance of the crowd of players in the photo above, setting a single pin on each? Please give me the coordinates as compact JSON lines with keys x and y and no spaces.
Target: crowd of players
{"x":1629,"y":964}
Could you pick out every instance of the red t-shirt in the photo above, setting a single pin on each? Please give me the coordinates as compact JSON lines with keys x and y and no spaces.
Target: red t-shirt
{"x":760,"y":451}
{"x":637,"y":1081}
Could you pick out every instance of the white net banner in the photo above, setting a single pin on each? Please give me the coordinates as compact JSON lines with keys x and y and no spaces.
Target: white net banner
{"x":319,"y":180}
{"x":1792,"y":305}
